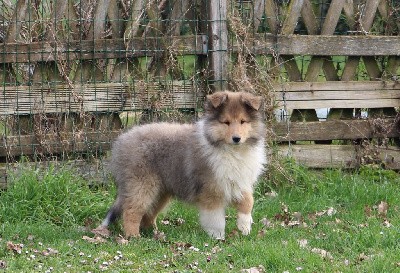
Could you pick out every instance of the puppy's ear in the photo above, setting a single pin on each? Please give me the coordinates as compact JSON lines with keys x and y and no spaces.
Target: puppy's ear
{"x":252,"y":101}
{"x":216,"y":100}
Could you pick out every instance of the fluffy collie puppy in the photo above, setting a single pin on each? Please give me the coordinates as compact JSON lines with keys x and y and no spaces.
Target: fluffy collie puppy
{"x":212,"y":164}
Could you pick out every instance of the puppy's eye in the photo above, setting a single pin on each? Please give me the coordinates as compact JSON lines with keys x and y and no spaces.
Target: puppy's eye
{"x":226,"y":122}
{"x":242,"y":121}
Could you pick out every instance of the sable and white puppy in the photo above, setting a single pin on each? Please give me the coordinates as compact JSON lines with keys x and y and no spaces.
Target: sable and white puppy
{"x":212,"y":164}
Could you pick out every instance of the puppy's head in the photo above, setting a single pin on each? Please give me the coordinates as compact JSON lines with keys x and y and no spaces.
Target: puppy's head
{"x":233,"y":118}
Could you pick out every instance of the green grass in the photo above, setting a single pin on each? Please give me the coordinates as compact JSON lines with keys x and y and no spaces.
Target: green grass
{"x":50,"y":213}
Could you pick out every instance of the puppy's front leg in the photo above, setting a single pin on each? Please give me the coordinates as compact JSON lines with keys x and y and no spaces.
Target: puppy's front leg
{"x":244,"y":208}
{"x":213,"y":221}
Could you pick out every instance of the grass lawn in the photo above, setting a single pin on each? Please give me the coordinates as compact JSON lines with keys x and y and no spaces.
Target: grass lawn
{"x":325,"y":221}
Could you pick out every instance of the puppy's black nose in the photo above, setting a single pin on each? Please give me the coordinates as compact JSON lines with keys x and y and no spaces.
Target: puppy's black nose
{"x":236,"y":139}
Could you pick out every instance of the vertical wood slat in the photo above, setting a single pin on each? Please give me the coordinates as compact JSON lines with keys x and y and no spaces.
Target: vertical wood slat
{"x":218,"y":43}
{"x":328,"y":28}
{"x":288,"y":27}
{"x":257,"y":13}
{"x":272,"y":17}
{"x":292,"y":16}
{"x":309,"y":18}
{"x":366,"y":20}
{"x":16,"y":24}
{"x":97,"y":28}
{"x":368,"y":15}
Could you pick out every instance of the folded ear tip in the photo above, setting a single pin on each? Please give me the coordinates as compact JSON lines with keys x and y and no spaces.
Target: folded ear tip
{"x":217,"y":98}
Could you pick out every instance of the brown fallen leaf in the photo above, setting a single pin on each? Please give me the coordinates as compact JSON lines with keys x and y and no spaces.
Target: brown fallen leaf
{"x":101,"y":231}
{"x":95,"y":240}
{"x":257,"y":269}
{"x":121,"y":240}
{"x":297,"y":216}
{"x":159,"y":236}
{"x":3,"y":264}
{"x":363,"y":257}
{"x":49,"y":251}
{"x":261,"y":233}
{"x":387,"y":224}
{"x":266,"y":222}
{"x":368,"y":211}
{"x":16,"y":248}
{"x":382,"y":209}
{"x":272,"y":194}
{"x":323,"y":253}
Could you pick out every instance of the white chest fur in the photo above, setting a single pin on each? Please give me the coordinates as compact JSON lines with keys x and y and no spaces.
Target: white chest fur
{"x":236,"y":167}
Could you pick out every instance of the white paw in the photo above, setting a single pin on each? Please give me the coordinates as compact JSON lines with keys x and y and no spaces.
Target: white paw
{"x":244,"y":222}
{"x":213,"y":222}
{"x":218,"y":234}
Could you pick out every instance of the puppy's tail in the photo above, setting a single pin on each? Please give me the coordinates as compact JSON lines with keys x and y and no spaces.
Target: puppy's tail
{"x":113,"y":214}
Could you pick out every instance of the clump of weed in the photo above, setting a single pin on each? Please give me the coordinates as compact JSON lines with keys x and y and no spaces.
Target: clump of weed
{"x":56,"y":197}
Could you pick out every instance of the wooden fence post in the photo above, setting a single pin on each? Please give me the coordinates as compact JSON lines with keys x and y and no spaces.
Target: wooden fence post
{"x":218,"y":44}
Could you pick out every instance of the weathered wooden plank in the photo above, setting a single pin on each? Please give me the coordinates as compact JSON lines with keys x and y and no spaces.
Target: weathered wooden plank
{"x":96,"y":49}
{"x":328,"y":28}
{"x":100,"y":97}
{"x":56,"y":143}
{"x":292,"y":16}
{"x":272,"y":17}
{"x":97,"y":28}
{"x":309,"y":18}
{"x":336,"y":129}
{"x":321,"y":156}
{"x":338,"y":86}
{"x":338,"y":156}
{"x":368,"y":14}
{"x":315,"y":104}
{"x":352,"y":94}
{"x":340,"y":95}
{"x":372,"y":67}
{"x":17,"y":20}
{"x":183,"y":94}
{"x":341,"y":45}
{"x":193,"y":45}
{"x":332,"y":17}
{"x":257,"y":13}
{"x":218,"y":44}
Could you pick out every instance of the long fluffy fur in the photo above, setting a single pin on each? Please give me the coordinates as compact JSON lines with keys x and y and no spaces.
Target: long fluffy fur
{"x":212,"y":164}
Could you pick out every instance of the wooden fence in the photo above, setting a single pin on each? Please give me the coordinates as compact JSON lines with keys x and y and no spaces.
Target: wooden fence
{"x":70,"y":68}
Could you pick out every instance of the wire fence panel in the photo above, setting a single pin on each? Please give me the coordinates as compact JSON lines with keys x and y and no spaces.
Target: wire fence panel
{"x":74,"y":73}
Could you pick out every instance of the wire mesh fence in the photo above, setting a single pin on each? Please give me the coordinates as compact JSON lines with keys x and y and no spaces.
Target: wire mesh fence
{"x":74,"y":73}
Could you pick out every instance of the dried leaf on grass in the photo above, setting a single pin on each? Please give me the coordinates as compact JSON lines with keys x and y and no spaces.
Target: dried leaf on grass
{"x":323,"y":253}
{"x":49,"y":251}
{"x":121,"y":240}
{"x":257,"y":269}
{"x":383,"y":209}
{"x":95,"y":240}
{"x":16,"y":248}
{"x":3,"y":264}
{"x":159,"y":236}
{"x":101,"y":231}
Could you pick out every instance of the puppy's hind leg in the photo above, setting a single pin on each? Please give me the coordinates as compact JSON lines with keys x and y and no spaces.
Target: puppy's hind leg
{"x":138,"y":202}
{"x":149,"y":219}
